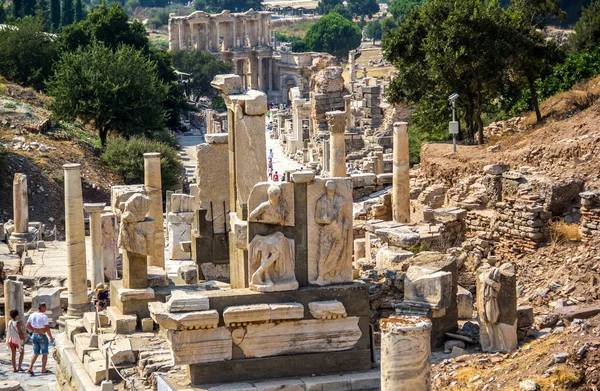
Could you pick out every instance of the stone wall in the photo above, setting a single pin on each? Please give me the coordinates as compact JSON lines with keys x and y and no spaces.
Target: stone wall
{"x":590,"y":213}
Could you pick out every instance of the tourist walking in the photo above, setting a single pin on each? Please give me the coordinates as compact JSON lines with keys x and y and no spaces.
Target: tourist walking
{"x":15,"y":337}
{"x":38,"y":325}
{"x":276,"y":177}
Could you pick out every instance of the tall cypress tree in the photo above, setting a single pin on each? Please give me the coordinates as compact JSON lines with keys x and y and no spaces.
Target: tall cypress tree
{"x":29,"y":7}
{"x":66,"y":13}
{"x":78,"y":10}
{"x":17,"y":8}
{"x":43,"y":10}
{"x":55,"y":13}
{"x":2,"y":12}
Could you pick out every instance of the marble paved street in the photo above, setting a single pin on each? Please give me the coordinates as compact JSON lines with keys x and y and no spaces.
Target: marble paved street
{"x":187,"y":151}
{"x":280,"y":161}
{"x":39,"y":382}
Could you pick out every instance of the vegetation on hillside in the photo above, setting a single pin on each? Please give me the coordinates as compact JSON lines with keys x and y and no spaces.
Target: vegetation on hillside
{"x":333,"y":34}
{"x":203,"y":67}
{"x":495,"y":58}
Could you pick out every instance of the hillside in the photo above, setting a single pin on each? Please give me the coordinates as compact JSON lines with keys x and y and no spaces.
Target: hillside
{"x":566,"y":145}
{"x":37,"y":147}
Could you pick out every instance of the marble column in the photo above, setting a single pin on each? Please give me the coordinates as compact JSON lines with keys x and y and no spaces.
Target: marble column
{"x":260,"y":73}
{"x":348,"y":110}
{"x":326,"y":156}
{"x":217,"y":34}
{"x":405,"y":353}
{"x":378,"y":160}
{"x":75,"y":237}
{"x":337,"y":144}
{"x":234,"y":34}
{"x":152,"y":182}
{"x":20,"y":232}
{"x":95,"y":212}
{"x":14,"y":299}
{"x":270,"y":74}
{"x":401,"y":175}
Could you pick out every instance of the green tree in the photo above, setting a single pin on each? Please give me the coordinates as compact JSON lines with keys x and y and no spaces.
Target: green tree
{"x":326,"y":6}
{"x":67,"y":15}
{"x":203,"y":66}
{"x":374,"y":30}
{"x":446,"y":47}
{"x":342,"y":10}
{"x":126,"y":157}
{"x":400,"y":8}
{"x":17,"y":9}
{"x":43,"y":12}
{"x":116,"y":90}
{"x":587,"y":29}
{"x":2,"y":12}
{"x":55,"y":14}
{"x":28,"y":54}
{"x":333,"y":34}
{"x":79,"y":11}
{"x":363,"y":7}
{"x":29,"y":7}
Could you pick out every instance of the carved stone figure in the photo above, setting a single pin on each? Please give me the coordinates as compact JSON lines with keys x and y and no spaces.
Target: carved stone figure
{"x":333,"y":233}
{"x":136,"y":233}
{"x":272,"y":263}
{"x":497,"y":309}
{"x":271,"y":211}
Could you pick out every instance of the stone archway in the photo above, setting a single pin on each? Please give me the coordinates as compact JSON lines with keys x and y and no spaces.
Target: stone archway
{"x":289,"y":82}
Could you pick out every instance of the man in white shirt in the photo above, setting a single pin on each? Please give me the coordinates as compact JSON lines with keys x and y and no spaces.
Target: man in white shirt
{"x":38,"y":325}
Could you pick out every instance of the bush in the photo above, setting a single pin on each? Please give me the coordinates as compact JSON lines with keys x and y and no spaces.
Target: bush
{"x":561,"y":232}
{"x":126,"y":157}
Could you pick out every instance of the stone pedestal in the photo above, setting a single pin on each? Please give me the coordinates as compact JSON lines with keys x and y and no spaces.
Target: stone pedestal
{"x":337,"y":144}
{"x":14,"y":300}
{"x":405,"y":354}
{"x":75,"y":238}
{"x":153,"y":185}
{"x":20,"y":232}
{"x":95,"y":212}
{"x":348,"y":111}
{"x":401,"y":174}
{"x":135,"y":271}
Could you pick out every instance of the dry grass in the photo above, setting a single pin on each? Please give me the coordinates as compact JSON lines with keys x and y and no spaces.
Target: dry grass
{"x":562,"y":379}
{"x":561,"y":232}
{"x":580,"y":97}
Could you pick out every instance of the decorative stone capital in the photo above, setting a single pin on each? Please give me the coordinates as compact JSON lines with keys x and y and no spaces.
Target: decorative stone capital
{"x":152,"y":155}
{"x":94,"y":207}
{"x":71,"y":166}
{"x":227,"y":84}
{"x":336,"y":121}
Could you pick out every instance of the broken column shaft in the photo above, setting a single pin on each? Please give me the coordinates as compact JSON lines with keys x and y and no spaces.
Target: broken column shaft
{"x":337,"y":143}
{"x":95,"y":212}
{"x":405,"y":353}
{"x":153,"y":185}
{"x":20,"y":232}
{"x":75,"y":237}
{"x":401,"y":175}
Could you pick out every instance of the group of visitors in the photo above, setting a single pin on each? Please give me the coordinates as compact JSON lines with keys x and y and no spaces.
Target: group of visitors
{"x":273,"y":176}
{"x":38,"y":325}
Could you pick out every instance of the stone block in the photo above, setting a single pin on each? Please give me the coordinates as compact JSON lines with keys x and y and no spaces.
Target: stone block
{"x":362,"y":180}
{"x":82,"y":345}
{"x":147,"y":325}
{"x":286,"y":311}
{"x":157,"y":277}
{"x":525,"y":316}
{"x":330,"y":309}
{"x":189,"y":274}
{"x":421,"y":286}
{"x":212,"y":171}
{"x":496,"y":169}
{"x":246,"y":314}
{"x":96,"y":370}
{"x":50,"y":296}
{"x":280,"y":385}
{"x":303,"y":176}
{"x":402,"y":237}
{"x":120,"y":352}
{"x":89,"y":320}
{"x":216,"y":138}
{"x":182,"y":301}
{"x":200,"y":346}
{"x":385,"y":179}
{"x":227,"y":84}
{"x":391,"y":257}
{"x":124,"y":294}
{"x":298,"y":337}
{"x":183,"y":320}
{"x":121,"y":324}
{"x":464,"y":300}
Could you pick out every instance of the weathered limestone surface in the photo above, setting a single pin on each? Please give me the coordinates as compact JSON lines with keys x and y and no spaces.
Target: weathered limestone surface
{"x":272,"y":203}
{"x":401,"y":172}
{"x":329,"y":309}
{"x":153,"y":185}
{"x":329,"y":210}
{"x":303,"y":336}
{"x":14,"y":299}
{"x":137,"y":232}
{"x":180,"y":228}
{"x":50,"y":296}
{"x":497,"y":309}
{"x":20,"y":232}
{"x":121,"y":193}
{"x":337,"y":144}
{"x":200,"y":346}
{"x":184,"y":320}
{"x":94,"y":211}
{"x":212,"y":173}
{"x":182,"y":301}
{"x":110,"y":250}
{"x":75,"y":238}
{"x":422,"y":286}
{"x":405,"y":354}
{"x":271,"y":263}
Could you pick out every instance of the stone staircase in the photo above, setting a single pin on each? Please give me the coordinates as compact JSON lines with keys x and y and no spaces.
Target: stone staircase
{"x":81,"y":354}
